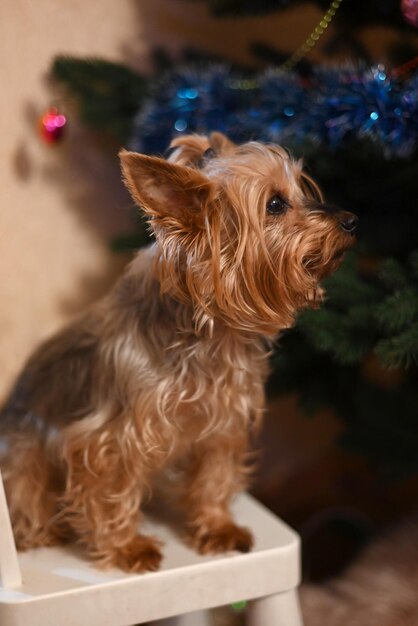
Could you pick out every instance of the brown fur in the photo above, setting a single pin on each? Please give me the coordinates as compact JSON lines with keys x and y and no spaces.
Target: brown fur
{"x":379,"y":589}
{"x":167,"y":371}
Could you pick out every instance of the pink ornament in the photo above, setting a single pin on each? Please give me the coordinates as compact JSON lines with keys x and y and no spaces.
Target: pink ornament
{"x":409,"y":10}
{"x":52,"y":125}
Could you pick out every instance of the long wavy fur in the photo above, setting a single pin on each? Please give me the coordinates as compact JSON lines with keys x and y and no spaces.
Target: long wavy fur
{"x":166,"y":373}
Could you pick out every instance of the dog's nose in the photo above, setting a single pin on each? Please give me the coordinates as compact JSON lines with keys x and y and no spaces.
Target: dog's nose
{"x":348,"y":221}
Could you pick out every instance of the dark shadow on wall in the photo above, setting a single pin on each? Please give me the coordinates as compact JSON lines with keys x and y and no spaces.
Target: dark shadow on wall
{"x":87,"y":172}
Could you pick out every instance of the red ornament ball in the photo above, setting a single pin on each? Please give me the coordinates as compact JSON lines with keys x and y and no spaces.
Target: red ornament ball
{"x":409,"y":10}
{"x":52,"y":126}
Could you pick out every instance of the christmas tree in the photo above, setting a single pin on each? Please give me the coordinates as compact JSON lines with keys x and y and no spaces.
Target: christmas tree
{"x":356,"y":127}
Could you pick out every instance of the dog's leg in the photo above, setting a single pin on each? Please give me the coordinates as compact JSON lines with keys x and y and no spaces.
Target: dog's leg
{"x":32,"y":485}
{"x":102,"y":503}
{"x":216,"y":473}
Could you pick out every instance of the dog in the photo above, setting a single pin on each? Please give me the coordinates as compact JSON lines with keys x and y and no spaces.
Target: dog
{"x":166,"y":373}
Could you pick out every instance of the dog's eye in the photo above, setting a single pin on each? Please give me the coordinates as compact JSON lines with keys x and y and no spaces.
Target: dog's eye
{"x":277,"y":204}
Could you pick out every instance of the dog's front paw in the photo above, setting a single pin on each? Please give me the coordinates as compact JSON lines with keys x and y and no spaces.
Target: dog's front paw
{"x":142,"y":554}
{"x":223,"y":538}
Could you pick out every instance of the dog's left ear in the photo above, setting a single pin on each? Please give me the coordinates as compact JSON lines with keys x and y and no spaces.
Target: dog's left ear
{"x":221,"y":143}
{"x":166,"y":190}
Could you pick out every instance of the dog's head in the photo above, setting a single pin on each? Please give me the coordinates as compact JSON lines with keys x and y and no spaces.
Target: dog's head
{"x":243,"y":233}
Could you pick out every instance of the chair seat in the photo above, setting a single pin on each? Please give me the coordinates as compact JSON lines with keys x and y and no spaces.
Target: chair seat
{"x":61,"y":587}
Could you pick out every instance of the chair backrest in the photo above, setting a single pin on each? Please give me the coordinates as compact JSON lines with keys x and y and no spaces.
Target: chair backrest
{"x":10,"y":575}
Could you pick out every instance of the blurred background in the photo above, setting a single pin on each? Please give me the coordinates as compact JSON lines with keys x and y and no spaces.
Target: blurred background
{"x":337,"y":83}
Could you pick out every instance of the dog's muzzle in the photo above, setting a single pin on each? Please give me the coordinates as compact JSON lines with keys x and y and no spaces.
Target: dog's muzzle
{"x":348,"y":221}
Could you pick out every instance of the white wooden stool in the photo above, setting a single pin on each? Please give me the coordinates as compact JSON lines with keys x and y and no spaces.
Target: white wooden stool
{"x":60,"y":587}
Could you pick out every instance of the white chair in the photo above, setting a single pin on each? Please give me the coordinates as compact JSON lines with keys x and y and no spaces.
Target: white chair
{"x":60,"y":587}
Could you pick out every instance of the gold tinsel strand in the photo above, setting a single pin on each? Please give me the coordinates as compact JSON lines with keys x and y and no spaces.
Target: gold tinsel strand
{"x":314,"y":37}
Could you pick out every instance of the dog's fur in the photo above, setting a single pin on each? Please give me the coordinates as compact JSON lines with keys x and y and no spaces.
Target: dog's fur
{"x":167,"y":371}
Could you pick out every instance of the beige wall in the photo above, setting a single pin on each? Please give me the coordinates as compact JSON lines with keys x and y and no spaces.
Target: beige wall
{"x":60,"y":206}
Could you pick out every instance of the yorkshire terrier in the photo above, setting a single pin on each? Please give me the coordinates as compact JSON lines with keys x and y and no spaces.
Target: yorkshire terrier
{"x":166,"y":373}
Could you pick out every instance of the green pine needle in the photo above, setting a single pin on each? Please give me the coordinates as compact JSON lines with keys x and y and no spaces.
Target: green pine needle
{"x":400,"y":351}
{"x":392,"y":274}
{"x":398,"y":310}
{"x":108,"y":94}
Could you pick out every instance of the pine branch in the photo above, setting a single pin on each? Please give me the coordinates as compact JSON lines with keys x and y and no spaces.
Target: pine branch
{"x":398,"y":310}
{"x":392,"y":274}
{"x":400,"y":351}
{"x":108,"y":94}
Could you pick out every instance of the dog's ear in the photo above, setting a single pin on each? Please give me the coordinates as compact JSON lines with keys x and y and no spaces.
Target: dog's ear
{"x":221,"y":143}
{"x":166,"y":190}
{"x":188,"y":149}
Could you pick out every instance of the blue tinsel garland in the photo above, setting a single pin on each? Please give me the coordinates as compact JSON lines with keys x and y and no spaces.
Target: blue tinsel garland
{"x":335,"y":105}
